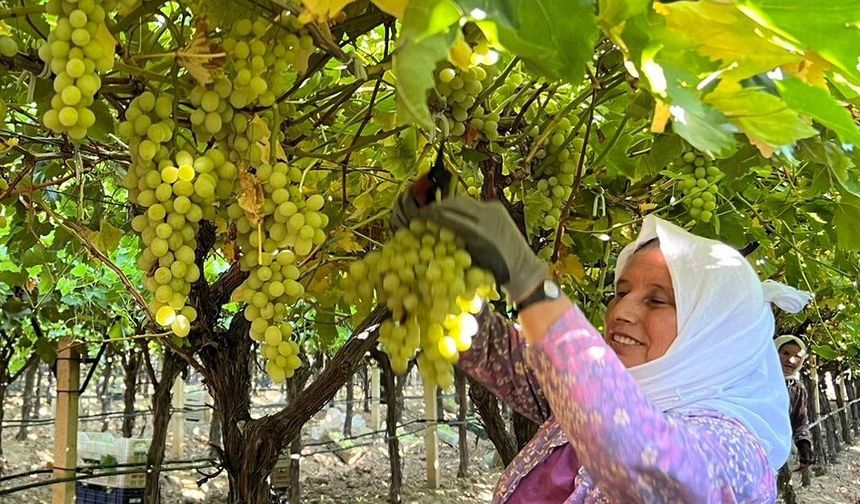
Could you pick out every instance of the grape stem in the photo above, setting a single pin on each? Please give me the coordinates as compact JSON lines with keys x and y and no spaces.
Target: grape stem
{"x":565,"y":213}
{"x":24,"y":10}
{"x":81,"y":235}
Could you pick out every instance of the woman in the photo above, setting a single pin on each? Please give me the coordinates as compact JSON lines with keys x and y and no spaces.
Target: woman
{"x":792,"y":354}
{"x":683,"y":399}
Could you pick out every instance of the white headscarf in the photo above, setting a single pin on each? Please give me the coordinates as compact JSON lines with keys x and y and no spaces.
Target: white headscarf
{"x":723,"y":358}
{"x":788,"y":338}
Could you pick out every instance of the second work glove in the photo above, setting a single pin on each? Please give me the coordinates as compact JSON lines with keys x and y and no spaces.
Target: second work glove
{"x":491,"y":237}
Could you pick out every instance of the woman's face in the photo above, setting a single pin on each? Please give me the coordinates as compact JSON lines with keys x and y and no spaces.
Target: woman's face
{"x":640,"y":321}
{"x":791,"y":357}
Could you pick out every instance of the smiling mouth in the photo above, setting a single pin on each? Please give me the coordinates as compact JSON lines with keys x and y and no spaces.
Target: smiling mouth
{"x":624,"y":340}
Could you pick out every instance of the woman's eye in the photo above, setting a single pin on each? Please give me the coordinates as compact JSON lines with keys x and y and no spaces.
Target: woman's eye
{"x":619,"y":295}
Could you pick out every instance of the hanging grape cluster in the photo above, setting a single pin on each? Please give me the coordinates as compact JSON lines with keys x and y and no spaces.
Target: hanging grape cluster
{"x":260,"y":56}
{"x":174,"y":196}
{"x":286,"y":226}
{"x":555,"y":169}
{"x":427,"y":280}
{"x":457,"y":91}
{"x":699,"y":185}
{"x":77,"y":48}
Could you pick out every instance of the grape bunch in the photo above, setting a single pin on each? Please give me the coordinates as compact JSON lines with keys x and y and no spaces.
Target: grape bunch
{"x":457,"y":91}
{"x":75,"y":51}
{"x":259,"y":56}
{"x":555,"y":169}
{"x":699,"y":183}
{"x":427,"y":280}
{"x":289,"y":224}
{"x":168,"y":229}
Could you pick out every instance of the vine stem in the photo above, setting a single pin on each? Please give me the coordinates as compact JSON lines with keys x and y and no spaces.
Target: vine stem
{"x":81,"y":235}
{"x":565,"y":213}
{"x":22,"y":11}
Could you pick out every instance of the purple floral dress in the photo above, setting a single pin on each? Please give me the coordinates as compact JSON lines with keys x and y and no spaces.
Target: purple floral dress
{"x":601,"y":438}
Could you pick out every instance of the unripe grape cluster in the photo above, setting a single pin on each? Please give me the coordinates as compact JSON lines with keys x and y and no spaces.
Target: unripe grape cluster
{"x":427,"y":280}
{"x":699,"y":185}
{"x":288,"y":226}
{"x":555,"y":169}
{"x":458,"y":89}
{"x":75,"y":53}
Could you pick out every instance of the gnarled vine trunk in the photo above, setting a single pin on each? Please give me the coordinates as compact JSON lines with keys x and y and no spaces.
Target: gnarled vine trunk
{"x":251,"y":446}
{"x":172,"y":367}
{"x":27,"y":399}
{"x":488,"y":408}
{"x":131,"y":365}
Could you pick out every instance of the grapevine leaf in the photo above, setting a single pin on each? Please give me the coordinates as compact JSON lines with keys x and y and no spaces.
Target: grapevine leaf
{"x":832,"y":29}
{"x":825,"y":351}
{"x":321,"y":11}
{"x":396,"y":8}
{"x":847,"y":223}
{"x":202,"y":58}
{"x":344,"y":241}
{"x":251,"y":197}
{"x":555,"y":38}
{"x":722,"y":33}
{"x":704,"y":127}
{"x":107,"y":238}
{"x":413,"y":65}
{"x":818,"y":104}
{"x":761,"y":115}
{"x":570,"y":266}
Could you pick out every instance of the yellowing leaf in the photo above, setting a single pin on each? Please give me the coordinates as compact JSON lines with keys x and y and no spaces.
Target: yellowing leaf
{"x":203,"y":59}
{"x":230,"y":251}
{"x":344,"y":241}
{"x":811,"y":68}
{"x":107,"y":238}
{"x":250,"y":195}
{"x":264,"y":141}
{"x":394,"y":7}
{"x":106,"y":40}
{"x":661,"y":117}
{"x":460,"y":52}
{"x":321,"y":11}
{"x":9,"y":144}
{"x":570,"y":266}
{"x":723,"y":33}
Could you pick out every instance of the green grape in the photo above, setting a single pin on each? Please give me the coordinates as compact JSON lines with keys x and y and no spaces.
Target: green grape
{"x":8,"y":46}
{"x":432,"y":307}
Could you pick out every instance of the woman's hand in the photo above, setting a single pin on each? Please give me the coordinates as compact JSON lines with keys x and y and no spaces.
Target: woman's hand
{"x":491,"y":237}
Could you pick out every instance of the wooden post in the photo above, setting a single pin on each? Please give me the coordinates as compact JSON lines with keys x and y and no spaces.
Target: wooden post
{"x":842,"y":404}
{"x":818,"y":441}
{"x":374,"y":398}
{"x":177,"y":429}
{"x":431,"y":436}
{"x":66,"y":423}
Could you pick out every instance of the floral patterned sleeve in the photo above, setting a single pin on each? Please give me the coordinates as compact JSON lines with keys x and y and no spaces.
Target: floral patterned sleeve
{"x":631,"y":450}
{"x":497,"y":361}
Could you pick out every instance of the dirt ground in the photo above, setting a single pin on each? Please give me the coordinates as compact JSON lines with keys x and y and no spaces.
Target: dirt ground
{"x":326,"y":478}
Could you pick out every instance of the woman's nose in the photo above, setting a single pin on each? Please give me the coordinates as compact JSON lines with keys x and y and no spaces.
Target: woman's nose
{"x":624,"y":310}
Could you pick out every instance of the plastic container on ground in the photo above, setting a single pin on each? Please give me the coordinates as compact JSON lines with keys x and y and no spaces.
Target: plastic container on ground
{"x":87,"y":493}
{"x":101,"y":450}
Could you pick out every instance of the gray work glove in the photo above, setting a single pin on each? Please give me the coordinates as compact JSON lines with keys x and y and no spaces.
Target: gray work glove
{"x":491,"y":237}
